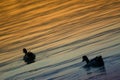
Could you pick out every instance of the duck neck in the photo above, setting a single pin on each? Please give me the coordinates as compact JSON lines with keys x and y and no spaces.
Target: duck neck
{"x":87,"y":61}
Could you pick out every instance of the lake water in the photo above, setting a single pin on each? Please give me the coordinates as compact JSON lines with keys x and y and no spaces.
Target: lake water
{"x":59,"y":32}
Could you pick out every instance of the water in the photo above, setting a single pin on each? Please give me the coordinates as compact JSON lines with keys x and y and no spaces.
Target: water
{"x":59,"y":32}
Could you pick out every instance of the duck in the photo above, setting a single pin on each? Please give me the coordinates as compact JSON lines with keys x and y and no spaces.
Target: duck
{"x":29,"y":57}
{"x":95,"y":62}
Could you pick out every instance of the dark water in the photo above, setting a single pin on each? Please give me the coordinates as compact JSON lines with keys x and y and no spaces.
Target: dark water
{"x":59,"y":32}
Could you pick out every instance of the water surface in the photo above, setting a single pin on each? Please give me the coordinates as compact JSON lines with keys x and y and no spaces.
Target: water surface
{"x":59,"y":32}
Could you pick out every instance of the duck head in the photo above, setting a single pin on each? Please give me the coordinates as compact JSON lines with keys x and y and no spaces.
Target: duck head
{"x":25,"y":50}
{"x":85,"y":58}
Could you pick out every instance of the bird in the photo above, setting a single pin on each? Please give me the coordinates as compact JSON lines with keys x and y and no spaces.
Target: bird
{"x":29,"y":57}
{"x":95,"y":62}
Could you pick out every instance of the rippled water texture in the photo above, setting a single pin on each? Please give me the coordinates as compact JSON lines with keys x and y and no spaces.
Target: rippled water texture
{"x":54,"y":28}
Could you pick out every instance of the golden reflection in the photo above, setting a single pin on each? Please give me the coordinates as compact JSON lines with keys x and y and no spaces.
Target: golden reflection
{"x":55,"y":25}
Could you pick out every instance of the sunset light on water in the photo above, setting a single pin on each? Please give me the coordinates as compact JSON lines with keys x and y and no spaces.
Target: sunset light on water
{"x":59,"y":33}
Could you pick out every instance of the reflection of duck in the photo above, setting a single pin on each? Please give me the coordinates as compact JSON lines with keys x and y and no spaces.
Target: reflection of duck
{"x":29,"y":56}
{"x":95,"y":62}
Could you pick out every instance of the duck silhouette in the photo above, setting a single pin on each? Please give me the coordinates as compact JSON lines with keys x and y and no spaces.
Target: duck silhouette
{"x":29,"y":57}
{"x":95,"y":62}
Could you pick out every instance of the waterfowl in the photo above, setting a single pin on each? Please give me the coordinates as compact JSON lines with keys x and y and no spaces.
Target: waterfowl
{"x":29,"y":57}
{"x":95,"y":62}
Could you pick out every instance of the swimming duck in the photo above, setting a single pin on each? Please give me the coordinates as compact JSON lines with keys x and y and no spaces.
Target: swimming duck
{"x":29,"y":57}
{"x":95,"y":62}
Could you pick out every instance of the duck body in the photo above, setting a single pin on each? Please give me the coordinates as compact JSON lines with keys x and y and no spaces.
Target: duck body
{"x":95,"y":62}
{"x":29,"y":58}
